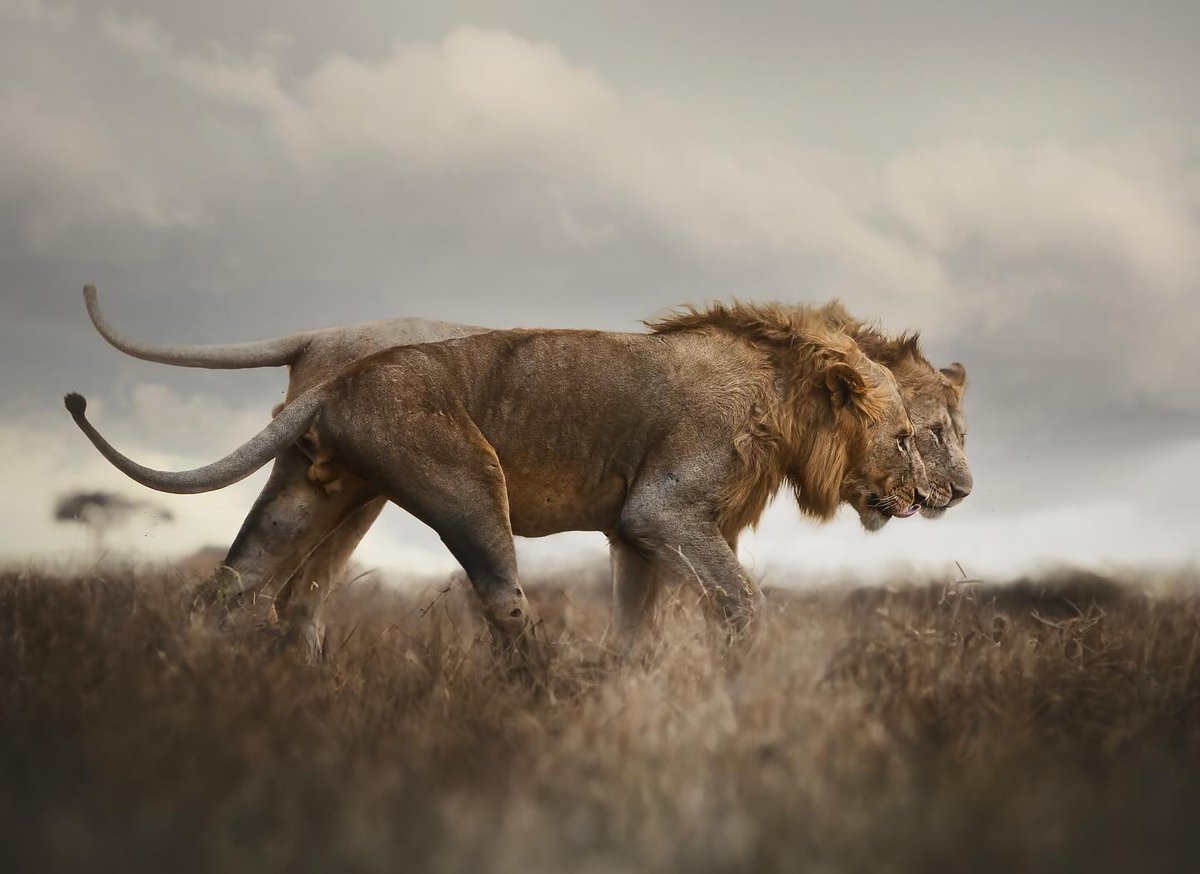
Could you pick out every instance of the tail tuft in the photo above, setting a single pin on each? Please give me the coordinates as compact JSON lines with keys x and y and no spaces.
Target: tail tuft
{"x":75,"y":404}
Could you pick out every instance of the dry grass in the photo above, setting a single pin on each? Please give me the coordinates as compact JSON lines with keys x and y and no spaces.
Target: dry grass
{"x":921,"y":729}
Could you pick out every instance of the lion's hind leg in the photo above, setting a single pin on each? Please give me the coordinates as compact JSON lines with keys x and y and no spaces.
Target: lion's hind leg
{"x":452,"y":481}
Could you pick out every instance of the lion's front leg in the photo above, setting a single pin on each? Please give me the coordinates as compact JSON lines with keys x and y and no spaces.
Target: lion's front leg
{"x":705,"y":558}
{"x":687,"y":545}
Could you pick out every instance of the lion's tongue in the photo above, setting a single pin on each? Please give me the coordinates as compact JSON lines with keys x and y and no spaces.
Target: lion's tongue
{"x":911,"y":511}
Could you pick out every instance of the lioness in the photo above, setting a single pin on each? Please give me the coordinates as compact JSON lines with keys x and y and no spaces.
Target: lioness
{"x":670,"y":443}
{"x":298,"y":531}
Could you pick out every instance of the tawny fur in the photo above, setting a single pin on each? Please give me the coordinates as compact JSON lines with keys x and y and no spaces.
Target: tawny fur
{"x":297,"y":530}
{"x":672,"y":443}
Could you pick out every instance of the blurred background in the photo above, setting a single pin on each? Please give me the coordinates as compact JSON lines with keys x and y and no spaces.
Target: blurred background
{"x":1019,"y":181}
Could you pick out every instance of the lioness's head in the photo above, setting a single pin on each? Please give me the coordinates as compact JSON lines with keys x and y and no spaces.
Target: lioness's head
{"x":934,"y":402}
{"x":885,"y":474}
{"x":935,"y":407}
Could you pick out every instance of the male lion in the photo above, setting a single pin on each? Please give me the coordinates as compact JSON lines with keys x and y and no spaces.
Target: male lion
{"x":299,"y":531}
{"x":670,"y":443}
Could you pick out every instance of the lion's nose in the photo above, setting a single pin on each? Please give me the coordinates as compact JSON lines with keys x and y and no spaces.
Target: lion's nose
{"x":920,"y":497}
{"x":958,"y":492}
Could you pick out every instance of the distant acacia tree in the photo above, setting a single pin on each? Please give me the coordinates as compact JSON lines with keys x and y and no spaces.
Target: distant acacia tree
{"x":100,"y":512}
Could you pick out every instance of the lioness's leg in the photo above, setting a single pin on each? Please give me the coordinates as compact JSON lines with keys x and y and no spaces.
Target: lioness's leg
{"x":636,"y":583}
{"x":301,"y":601}
{"x":290,"y":520}
{"x":279,"y":514}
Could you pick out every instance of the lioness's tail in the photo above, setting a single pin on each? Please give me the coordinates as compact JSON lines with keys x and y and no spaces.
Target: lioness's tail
{"x":293,"y":420}
{"x":262,"y":353}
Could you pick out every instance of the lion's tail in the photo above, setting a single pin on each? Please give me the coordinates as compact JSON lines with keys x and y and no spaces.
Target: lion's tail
{"x":275,"y":352}
{"x":287,"y":427}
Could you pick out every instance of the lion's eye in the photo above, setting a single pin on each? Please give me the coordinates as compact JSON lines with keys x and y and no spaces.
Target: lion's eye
{"x":937,"y":435}
{"x":902,"y":442}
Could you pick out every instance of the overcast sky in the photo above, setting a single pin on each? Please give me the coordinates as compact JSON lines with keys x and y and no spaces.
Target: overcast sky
{"x":1021,"y":181}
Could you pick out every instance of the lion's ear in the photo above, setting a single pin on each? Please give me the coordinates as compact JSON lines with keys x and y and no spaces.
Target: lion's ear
{"x":956,"y":375}
{"x":847,"y":385}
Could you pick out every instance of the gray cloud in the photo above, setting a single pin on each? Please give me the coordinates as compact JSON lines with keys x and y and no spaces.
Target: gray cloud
{"x":224,"y":182}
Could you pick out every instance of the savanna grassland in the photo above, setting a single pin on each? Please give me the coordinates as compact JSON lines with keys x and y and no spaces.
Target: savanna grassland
{"x":1053,"y":725}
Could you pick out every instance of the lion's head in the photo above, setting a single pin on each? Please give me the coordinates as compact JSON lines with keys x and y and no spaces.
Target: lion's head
{"x":934,"y":402}
{"x":885,"y":475}
{"x":843,"y":423}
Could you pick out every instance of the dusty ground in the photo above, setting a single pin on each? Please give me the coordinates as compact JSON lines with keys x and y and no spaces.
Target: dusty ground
{"x":1053,"y":726}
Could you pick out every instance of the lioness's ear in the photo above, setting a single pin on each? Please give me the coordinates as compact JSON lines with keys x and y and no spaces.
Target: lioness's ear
{"x":846,"y":385}
{"x":956,"y":375}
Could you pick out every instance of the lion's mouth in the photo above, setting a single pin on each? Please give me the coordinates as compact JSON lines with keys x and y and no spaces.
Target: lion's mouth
{"x":894,"y":508}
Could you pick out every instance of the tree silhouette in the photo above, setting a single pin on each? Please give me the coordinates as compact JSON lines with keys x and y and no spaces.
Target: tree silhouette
{"x":100,"y":512}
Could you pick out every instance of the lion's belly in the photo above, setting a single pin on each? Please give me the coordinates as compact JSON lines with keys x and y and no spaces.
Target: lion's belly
{"x":542,"y":502}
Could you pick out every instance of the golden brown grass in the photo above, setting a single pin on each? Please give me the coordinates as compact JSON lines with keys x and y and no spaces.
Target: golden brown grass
{"x":927,"y":728}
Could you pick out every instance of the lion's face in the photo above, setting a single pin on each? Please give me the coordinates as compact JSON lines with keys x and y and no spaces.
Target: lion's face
{"x":888,"y":476}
